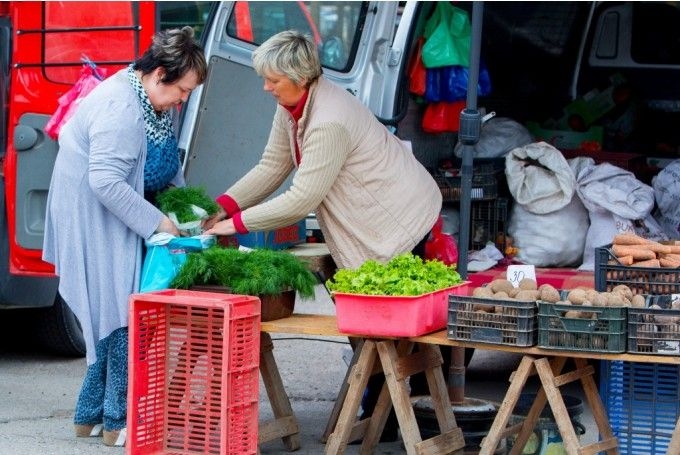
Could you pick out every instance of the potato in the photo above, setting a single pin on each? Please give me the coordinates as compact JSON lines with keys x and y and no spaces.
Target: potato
{"x":549,"y":294}
{"x":576,"y":296}
{"x":528,"y":284}
{"x":526,"y":295}
{"x":499,"y":285}
{"x":501,"y":295}
{"x":482,"y":292}
{"x":481,"y":307}
{"x":512,"y":293}
{"x":638,"y":301}
{"x":625,"y":290}
{"x":572,"y":314}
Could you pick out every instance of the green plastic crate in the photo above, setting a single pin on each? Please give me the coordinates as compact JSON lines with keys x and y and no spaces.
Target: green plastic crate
{"x":605,"y":331}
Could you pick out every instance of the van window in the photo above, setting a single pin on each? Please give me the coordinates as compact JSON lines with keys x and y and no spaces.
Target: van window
{"x":335,"y":26}
{"x":655,"y":35}
{"x":178,"y":14}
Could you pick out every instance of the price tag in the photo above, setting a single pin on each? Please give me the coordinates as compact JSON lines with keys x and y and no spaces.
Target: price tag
{"x":517,"y":273}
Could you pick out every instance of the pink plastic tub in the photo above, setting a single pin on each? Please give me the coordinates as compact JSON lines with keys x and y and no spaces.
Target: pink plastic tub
{"x":400,"y":316}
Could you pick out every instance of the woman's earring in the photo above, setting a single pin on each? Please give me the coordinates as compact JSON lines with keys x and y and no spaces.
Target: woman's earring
{"x":158,"y":81}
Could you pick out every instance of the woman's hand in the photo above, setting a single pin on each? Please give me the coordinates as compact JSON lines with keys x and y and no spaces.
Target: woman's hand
{"x":224,"y":227}
{"x":210,"y":222}
{"x":168,"y":226}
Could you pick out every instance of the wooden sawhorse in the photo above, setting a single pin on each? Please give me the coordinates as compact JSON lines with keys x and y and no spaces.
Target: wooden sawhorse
{"x":284,"y":425}
{"x":550,"y":373}
{"x":397,"y":362}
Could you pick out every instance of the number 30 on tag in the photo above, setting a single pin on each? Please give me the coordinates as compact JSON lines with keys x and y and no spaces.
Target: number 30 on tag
{"x":517,"y":273}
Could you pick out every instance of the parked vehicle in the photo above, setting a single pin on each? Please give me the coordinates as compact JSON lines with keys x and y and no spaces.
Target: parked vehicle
{"x":42,"y":49}
{"x":541,"y":56}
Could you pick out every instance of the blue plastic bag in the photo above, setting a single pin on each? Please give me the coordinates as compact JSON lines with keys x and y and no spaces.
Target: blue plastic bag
{"x":165,"y":255}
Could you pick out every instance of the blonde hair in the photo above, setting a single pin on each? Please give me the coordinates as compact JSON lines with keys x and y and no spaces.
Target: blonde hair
{"x":177,"y":52}
{"x":290,"y":53}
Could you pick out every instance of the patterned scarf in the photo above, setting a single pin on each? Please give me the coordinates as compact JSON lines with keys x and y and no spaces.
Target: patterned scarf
{"x":162,"y":159}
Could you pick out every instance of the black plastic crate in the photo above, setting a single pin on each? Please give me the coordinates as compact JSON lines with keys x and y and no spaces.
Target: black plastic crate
{"x":515,"y":325}
{"x":484,"y":183}
{"x":654,"y":331}
{"x":641,"y":280}
{"x":605,"y":331}
{"x":488,"y":219}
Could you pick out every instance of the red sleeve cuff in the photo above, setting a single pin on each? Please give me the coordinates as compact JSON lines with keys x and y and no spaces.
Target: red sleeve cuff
{"x":238,"y":223}
{"x":229,"y":205}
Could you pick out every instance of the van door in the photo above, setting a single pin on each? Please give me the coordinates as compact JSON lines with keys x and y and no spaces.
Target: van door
{"x":50,"y":39}
{"x":227,"y":119}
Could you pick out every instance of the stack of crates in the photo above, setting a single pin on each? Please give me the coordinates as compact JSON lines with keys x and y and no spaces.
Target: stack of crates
{"x":488,"y":223}
{"x":642,"y":399}
{"x":194,"y":373}
{"x":643,"y":403}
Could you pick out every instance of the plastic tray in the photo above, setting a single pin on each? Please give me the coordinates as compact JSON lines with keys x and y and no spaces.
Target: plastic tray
{"x":604,"y":332}
{"x":516,"y":325}
{"x":641,"y":280}
{"x":648,"y":335}
{"x":642,"y":401}
{"x":194,"y":373}
{"x":394,"y":316}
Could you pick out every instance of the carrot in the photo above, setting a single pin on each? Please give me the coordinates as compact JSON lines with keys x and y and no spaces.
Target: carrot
{"x":625,"y":260}
{"x":638,"y":254}
{"x":658,"y":247}
{"x":629,"y":239}
{"x":670,"y":256}
{"x":651,"y":263}
{"x":667,"y":263}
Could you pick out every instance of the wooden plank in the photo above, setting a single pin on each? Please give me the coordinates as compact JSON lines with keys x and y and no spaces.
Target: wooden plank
{"x":452,"y":442}
{"x":493,"y":437}
{"x":674,"y":446}
{"x":410,"y":432}
{"x":559,"y":409}
{"x":337,"y":441}
{"x":285,"y":425}
{"x":597,"y":408}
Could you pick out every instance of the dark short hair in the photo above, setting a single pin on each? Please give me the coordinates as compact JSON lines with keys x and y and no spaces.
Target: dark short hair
{"x":177,"y":52}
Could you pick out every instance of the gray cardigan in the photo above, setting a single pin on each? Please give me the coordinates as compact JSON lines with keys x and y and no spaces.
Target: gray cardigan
{"x":96,"y":212}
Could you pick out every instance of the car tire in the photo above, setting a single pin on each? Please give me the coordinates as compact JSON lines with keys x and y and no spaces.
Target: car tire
{"x":60,"y":331}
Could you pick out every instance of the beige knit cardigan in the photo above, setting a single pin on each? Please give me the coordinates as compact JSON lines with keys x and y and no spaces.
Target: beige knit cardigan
{"x":372,"y":197}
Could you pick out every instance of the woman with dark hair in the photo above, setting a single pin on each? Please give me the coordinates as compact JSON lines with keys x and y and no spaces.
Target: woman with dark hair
{"x":116,"y":152}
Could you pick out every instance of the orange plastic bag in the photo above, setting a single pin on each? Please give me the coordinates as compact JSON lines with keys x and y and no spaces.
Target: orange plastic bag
{"x":441,"y":246}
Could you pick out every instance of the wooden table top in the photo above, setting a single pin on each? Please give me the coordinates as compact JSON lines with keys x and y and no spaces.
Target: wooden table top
{"x":326,"y":325}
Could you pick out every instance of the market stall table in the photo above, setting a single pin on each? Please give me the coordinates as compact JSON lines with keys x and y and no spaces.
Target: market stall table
{"x":389,"y":353}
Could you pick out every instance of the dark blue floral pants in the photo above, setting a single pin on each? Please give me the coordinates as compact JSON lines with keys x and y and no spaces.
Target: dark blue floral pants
{"x":103,"y":396}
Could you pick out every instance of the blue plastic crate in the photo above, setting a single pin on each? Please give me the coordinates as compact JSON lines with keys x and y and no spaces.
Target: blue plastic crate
{"x":643,"y":403}
{"x":278,"y":239}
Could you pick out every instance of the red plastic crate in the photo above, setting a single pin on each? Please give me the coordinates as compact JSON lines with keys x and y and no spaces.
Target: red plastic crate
{"x":402,"y":316}
{"x":194,"y":373}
